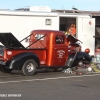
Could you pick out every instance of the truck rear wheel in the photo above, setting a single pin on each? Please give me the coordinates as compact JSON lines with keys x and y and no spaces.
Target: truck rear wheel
{"x":29,"y":67}
{"x":4,"y":69}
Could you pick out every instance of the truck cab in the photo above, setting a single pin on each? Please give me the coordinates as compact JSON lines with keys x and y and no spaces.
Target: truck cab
{"x":55,"y":45}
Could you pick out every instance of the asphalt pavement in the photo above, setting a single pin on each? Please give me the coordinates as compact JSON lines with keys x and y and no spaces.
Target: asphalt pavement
{"x":49,"y":85}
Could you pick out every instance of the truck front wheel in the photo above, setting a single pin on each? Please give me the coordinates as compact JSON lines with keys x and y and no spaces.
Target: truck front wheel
{"x":4,"y":69}
{"x":29,"y":67}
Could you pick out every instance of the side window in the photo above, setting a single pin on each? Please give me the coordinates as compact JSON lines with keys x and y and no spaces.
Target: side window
{"x":59,"y":39}
{"x":38,"y":36}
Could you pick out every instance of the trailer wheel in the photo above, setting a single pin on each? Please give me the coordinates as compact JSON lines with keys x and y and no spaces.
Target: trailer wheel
{"x":29,"y":67}
{"x":4,"y":69}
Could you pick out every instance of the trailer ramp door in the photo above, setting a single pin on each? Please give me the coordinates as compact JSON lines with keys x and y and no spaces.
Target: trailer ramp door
{"x":86,"y":32}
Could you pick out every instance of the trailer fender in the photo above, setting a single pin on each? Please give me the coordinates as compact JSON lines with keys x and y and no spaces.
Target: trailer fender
{"x":74,"y":59}
{"x":17,"y":61}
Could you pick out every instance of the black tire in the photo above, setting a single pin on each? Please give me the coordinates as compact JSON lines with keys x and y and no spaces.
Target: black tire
{"x":4,"y":69}
{"x":29,"y":67}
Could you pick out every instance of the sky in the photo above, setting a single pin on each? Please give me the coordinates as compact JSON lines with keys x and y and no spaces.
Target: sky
{"x":87,"y":5}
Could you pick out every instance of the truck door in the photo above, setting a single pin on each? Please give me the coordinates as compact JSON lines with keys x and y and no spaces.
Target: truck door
{"x":86,"y":32}
{"x":60,"y":51}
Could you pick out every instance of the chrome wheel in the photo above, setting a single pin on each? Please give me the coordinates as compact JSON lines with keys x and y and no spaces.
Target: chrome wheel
{"x":30,"y":67}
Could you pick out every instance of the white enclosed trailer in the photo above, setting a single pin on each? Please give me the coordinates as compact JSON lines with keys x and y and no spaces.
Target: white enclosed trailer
{"x":21,"y":23}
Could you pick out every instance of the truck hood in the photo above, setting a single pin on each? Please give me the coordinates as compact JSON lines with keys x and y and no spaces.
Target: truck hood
{"x":72,"y":39}
{"x":9,"y":41}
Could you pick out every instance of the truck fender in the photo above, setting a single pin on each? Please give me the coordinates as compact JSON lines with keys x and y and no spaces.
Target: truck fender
{"x":17,"y":61}
{"x":74,"y":59}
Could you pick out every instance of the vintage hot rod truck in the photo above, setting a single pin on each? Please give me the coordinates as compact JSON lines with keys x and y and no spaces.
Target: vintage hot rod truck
{"x":47,"y":48}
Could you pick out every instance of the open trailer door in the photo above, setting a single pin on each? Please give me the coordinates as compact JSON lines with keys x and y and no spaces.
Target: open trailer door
{"x":86,"y":32}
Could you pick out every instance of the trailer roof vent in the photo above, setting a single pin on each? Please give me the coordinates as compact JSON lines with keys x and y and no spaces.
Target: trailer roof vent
{"x":40,"y":8}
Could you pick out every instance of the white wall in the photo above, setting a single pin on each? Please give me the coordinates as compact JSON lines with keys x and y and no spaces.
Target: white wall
{"x":21,"y":26}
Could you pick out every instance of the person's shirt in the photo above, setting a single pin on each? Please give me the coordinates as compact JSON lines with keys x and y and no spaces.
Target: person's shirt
{"x":72,"y":31}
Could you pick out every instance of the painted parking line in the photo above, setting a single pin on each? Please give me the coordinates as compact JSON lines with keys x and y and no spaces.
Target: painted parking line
{"x":44,"y":79}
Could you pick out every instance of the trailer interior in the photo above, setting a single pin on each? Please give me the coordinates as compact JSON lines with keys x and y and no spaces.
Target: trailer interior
{"x":97,"y":32}
{"x":65,"y":23}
